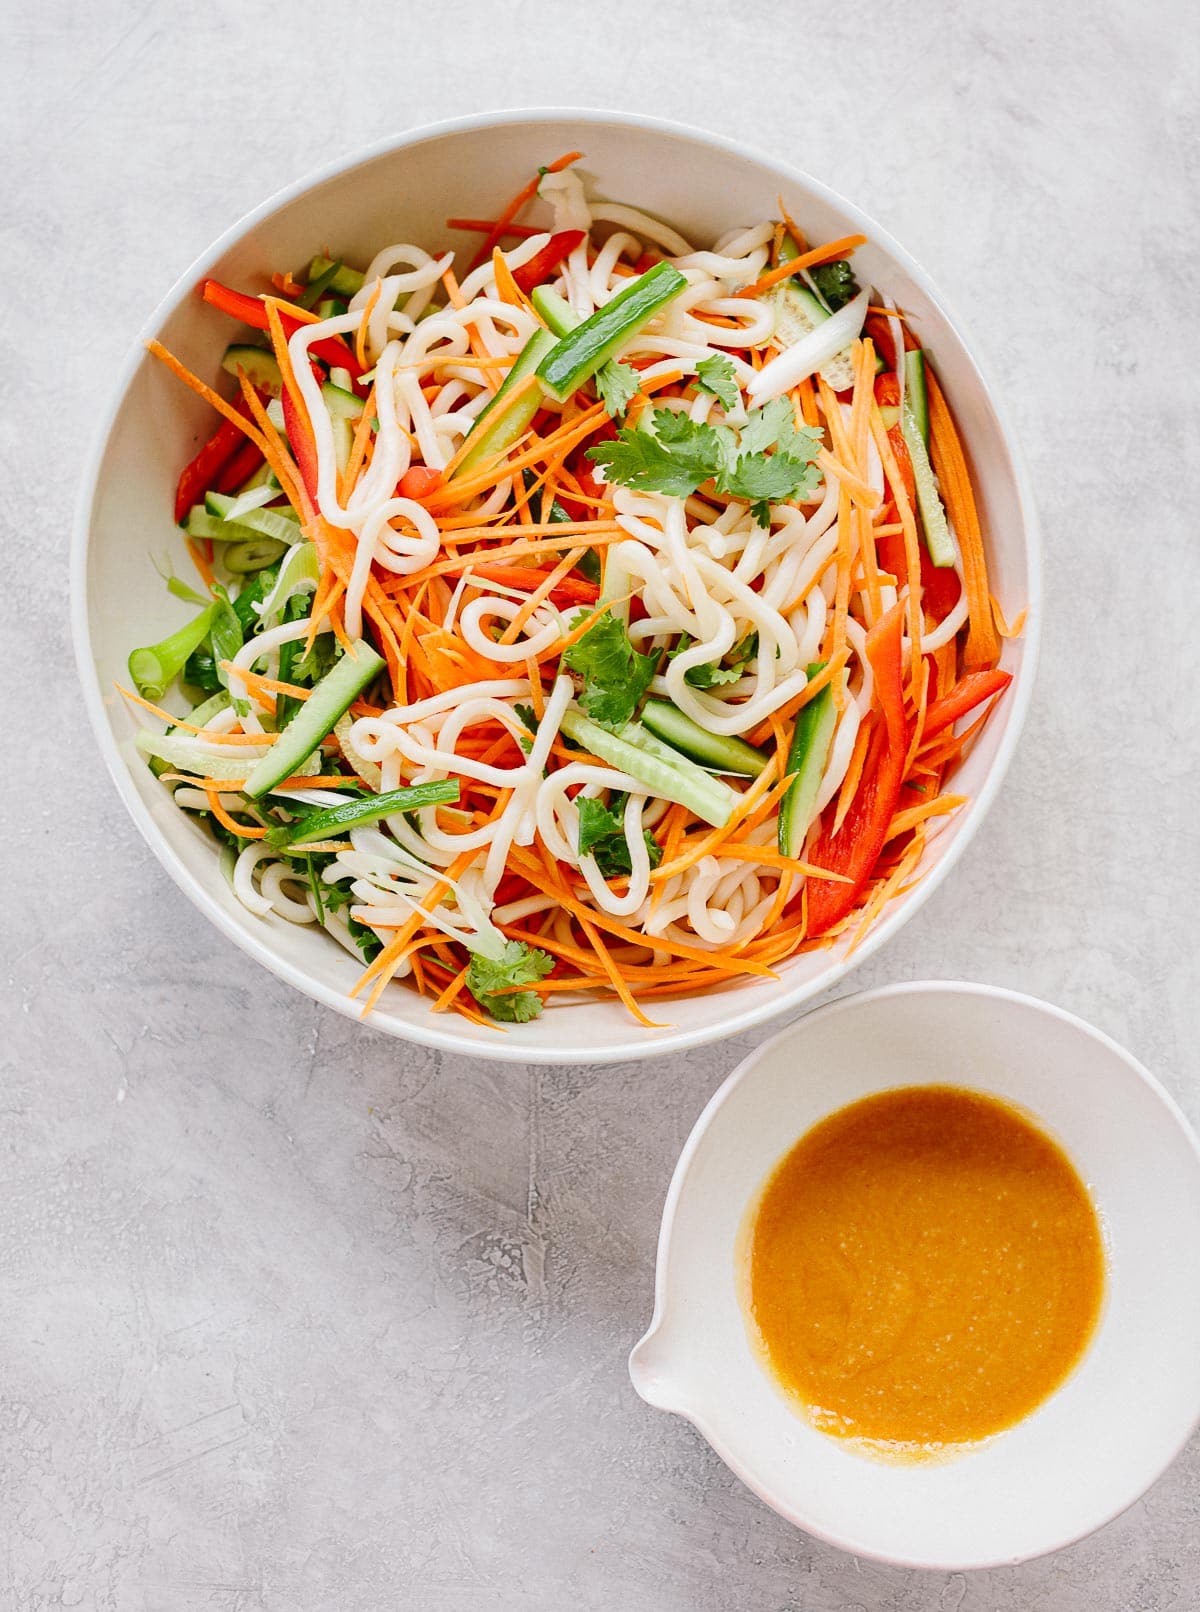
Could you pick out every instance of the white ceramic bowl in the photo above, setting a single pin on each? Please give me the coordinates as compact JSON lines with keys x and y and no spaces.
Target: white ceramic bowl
{"x":1097,"y":1443}
{"x":403,"y":190}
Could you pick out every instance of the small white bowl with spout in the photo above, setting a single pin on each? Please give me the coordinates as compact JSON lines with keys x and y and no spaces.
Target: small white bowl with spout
{"x":1098,"y":1442}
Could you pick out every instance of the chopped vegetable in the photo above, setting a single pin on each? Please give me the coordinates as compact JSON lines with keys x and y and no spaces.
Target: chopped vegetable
{"x":490,"y":981}
{"x":615,"y":675}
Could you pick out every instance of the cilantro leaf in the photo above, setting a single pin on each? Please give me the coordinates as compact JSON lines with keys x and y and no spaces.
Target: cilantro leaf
{"x":517,"y":964}
{"x":529,"y":718}
{"x":615,"y":675}
{"x":760,"y":477}
{"x":675,"y":457}
{"x":716,"y":375}
{"x":772,"y":426}
{"x":678,"y":455}
{"x":617,"y":385}
{"x":602,"y":833}
{"x":710,"y":674}
{"x":835,"y":282}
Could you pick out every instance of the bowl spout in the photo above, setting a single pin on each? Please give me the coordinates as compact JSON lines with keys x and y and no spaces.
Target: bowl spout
{"x":655,"y":1373}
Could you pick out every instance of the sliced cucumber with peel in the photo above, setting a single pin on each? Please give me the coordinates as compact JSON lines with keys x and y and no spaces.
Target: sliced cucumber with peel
{"x":807,"y":755}
{"x":329,"y":700}
{"x":719,"y":751}
{"x":263,"y":522}
{"x":487,"y":440}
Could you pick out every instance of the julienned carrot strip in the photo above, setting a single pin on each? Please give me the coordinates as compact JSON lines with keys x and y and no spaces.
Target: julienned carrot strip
{"x":255,"y":681}
{"x":1004,"y":628}
{"x":523,"y":196}
{"x":503,"y":406}
{"x":457,"y":492}
{"x":863,"y":495}
{"x":277,"y":455}
{"x":542,"y":592}
{"x":710,"y":843}
{"x":358,"y":447}
{"x":954,"y":480}
{"x":227,"y":822}
{"x":828,"y":253}
{"x":940,"y":806}
{"x":858,"y":756}
{"x":912,"y":542}
{"x":533,"y":871}
{"x":614,"y":973}
{"x":195,"y":384}
{"x":446,"y":998}
{"x":389,"y":958}
{"x":360,"y":335}
{"x":203,"y":569}
{"x":507,"y":288}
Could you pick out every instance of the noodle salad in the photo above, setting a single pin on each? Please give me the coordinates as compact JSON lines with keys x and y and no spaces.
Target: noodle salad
{"x":596,"y":615}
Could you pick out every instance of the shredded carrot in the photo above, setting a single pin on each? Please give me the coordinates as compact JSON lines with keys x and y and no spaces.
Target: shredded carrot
{"x":1002,"y":627}
{"x":230,"y":824}
{"x":360,"y":335}
{"x":950,"y":463}
{"x":807,"y":260}
{"x":520,"y":200}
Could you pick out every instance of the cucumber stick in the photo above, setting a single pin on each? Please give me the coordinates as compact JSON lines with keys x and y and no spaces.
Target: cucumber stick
{"x":811,"y":739}
{"x":576,"y":357}
{"x":486,"y":440}
{"x":256,"y":522}
{"x":679,"y":779}
{"x":557,"y":312}
{"x":933,"y":515}
{"x":261,"y":369}
{"x":331,"y":697}
{"x":916,"y":396}
{"x":335,"y":820}
{"x":715,"y":750}
{"x":344,"y":283}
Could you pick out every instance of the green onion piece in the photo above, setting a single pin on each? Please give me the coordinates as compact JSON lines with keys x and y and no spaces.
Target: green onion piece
{"x":679,"y":779}
{"x":155,"y":668}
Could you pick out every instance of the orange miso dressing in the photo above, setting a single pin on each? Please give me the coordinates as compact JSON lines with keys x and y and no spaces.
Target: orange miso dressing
{"x":924,"y":1268}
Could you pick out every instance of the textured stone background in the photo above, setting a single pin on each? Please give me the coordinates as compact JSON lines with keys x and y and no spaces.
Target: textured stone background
{"x":295,"y":1318}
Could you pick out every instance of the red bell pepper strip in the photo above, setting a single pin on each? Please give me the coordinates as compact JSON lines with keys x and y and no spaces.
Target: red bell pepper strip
{"x":304,"y":449}
{"x":966,"y":694}
{"x":419,"y":481}
{"x":240,"y":468}
{"x":854,"y":849}
{"x":543,"y":264}
{"x":887,"y":395}
{"x":523,"y":578}
{"x":941,"y":586}
{"x":252,"y":311}
{"x":200,"y":476}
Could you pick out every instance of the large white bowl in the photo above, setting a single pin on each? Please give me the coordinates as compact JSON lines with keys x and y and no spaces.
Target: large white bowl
{"x":1101,"y":1439}
{"x":403,"y":190}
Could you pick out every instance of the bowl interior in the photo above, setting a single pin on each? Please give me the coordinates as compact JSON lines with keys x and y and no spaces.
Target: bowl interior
{"x":1091,"y":1448}
{"x":404,"y":193}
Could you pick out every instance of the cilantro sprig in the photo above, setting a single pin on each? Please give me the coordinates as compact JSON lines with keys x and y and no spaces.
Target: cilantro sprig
{"x":517,"y":964}
{"x":615,"y":675}
{"x":769,"y":461}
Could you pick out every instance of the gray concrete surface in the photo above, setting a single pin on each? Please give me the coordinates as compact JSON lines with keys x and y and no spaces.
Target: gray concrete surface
{"x":294,"y":1318}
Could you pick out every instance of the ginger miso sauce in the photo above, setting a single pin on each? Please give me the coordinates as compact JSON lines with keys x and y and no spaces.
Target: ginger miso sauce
{"x":922,"y":1270}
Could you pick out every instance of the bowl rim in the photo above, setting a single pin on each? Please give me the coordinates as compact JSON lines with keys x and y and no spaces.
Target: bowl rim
{"x":429,"y":1032}
{"x":745,"y":1071}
